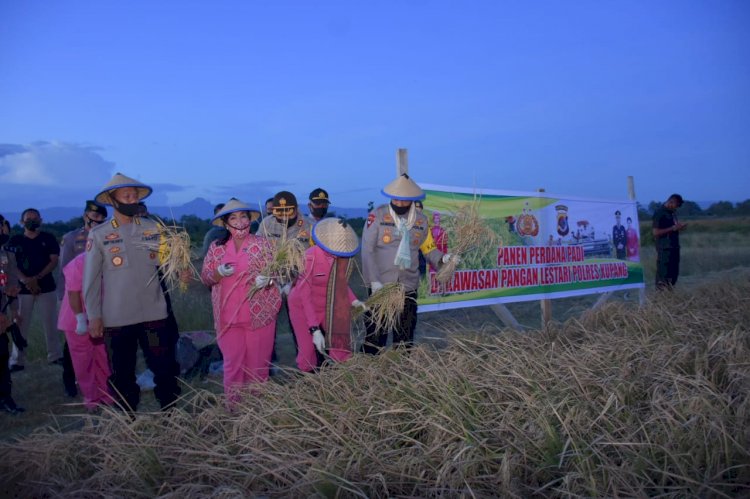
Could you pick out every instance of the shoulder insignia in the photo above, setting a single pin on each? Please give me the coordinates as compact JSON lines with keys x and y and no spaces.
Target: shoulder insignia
{"x":89,"y":243}
{"x":115,"y":223}
{"x":300,"y":222}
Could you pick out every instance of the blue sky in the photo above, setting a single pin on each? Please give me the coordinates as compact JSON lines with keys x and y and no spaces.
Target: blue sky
{"x":218,"y":99}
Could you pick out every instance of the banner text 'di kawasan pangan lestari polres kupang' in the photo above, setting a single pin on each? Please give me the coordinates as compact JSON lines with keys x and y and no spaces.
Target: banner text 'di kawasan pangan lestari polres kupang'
{"x":550,"y":246}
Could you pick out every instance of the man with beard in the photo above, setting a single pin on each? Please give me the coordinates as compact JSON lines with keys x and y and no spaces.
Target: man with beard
{"x":391,"y":240}
{"x":124,"y":298}
{"x":318,"y":205}
{"x":37,"y":255}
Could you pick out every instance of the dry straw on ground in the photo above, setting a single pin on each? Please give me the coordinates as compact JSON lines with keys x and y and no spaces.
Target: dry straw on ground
{"x":385,"y":306}
{"x":467,"y":231}
{"x":621,"y":402}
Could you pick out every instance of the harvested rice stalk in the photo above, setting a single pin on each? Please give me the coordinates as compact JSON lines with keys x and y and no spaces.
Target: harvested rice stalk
{"x":467,"y":232}
{"x":385,"y":306}
{"x":175,"y":256}
{"x":287,"y":262}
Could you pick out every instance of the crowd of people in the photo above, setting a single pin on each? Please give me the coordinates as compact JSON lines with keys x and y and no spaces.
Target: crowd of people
{"x":108,"y":302}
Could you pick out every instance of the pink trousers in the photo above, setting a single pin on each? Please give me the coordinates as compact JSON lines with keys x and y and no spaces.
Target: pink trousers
{"x":306,"y":359}
{"x":247,"y":356}
{"x":91,"y":367}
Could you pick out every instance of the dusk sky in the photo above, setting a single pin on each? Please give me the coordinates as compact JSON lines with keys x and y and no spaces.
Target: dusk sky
{"x":218,"y":98}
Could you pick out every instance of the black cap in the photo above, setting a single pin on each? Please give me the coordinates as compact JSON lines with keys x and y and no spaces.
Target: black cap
{"x":284,"y":199}
{"x":319,"y":195}
{"x":92,"y":205}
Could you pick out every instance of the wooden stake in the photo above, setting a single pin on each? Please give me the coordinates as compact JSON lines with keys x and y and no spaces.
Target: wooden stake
{"x":631,"y":196}
{"x":402,"y":162}
{"x":546,"y":304}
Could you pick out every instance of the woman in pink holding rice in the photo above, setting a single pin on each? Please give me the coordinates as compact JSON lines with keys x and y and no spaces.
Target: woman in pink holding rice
{"x":88,"y":355}
{"x":321,"y":300}
{"x":244,"y":327}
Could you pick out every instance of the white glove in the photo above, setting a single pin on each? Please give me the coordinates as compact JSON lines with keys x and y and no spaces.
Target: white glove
{"x":376,"y":286}
{"x":262,"y":281}
{"x":319,"y":341}
{"x":81,"y":325}
{"x":359,"y":304}
{"x":225,"y":269}
{"x":448,"y":256}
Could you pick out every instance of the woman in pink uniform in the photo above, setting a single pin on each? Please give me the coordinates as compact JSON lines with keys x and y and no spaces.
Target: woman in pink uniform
{"x":631,"y":237}
{"x":244,"y":328}
{"x":320,"y":301}
{"x":89,"y":355}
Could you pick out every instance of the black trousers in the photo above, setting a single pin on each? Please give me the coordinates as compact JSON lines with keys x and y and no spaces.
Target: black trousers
{"x":5,"y":383}
{"x":403,"y":334}
{"x":158,"y":342}
{"x":667,"y":267}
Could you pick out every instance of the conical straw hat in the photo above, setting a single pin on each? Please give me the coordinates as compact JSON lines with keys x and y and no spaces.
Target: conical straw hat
{"x":231,"y":206}
{"x":403,"y":188}
{"x":336,"y":237}
{"x":120,"y":180}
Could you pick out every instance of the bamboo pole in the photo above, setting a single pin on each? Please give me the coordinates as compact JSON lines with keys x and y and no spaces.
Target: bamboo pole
{"x":631,"y":196}
{"x":545,"y":303}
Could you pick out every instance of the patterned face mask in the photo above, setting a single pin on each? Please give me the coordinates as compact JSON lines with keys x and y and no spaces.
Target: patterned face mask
{"x":240,"y":231}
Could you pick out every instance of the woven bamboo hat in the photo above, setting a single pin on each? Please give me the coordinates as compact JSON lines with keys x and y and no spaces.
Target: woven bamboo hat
{"x":336,"y":237}
{"x":231,"y":206}
{"x":119,"y":180}
{"x":403,"y":188}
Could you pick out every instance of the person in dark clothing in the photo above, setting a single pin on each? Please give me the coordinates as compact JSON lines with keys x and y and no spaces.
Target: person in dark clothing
{"x":666,"y":230}
{"x":8,"y":304}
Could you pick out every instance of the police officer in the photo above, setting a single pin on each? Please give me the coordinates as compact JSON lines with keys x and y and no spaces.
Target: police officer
{"x":318,"y":205}
{"x":125,"y":303}
{"x":619,"y":236}
{"x":391,"y":240}
{"x":73,"y":244}
{"x":286,"y":222}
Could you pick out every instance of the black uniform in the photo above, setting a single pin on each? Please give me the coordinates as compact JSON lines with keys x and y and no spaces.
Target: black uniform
{"x":667,"y":248}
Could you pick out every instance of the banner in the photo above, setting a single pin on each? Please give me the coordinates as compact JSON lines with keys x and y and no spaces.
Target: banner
{"x":547,"y":246}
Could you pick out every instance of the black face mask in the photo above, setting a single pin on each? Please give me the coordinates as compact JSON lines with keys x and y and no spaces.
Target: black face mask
{"x":32,"y":225}
{"x":128,"y":209}
{"x":92,"y":223}
{"x":400,"y":210}
{"x":319,"y":212}
{"x":291,"y":222}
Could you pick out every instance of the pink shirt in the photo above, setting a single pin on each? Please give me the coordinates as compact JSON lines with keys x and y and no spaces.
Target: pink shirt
{"x":73,"y":273}
{"x":311,"y":286}
{"x":229,"y":294}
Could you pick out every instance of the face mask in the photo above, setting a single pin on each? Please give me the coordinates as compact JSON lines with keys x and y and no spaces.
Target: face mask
{"x":400,"y":210}
{"x":319,"y":212}
{"x":240,"y":231}
{"x":128,"y":209}
{"x":92,"y":223}
{"x":291,"y":222}
{"x":32,"y":225}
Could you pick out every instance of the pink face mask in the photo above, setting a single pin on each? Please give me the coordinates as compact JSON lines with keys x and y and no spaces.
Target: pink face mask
{"x":239,"y":232}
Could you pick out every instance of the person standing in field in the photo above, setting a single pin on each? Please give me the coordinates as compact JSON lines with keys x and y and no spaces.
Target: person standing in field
{"x":37,"y":255}
{"x":124,"y":298}
{"x":73,"y":244}
{"x":666,"y":230}
{"x":8,"y":314}
{"x":88,"y":355}
{"x":245,"y":327}
{"x":321,"y":300}
{"x":393,"y":235}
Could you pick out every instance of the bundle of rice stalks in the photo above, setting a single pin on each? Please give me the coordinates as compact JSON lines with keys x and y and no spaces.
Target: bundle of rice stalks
{"x":286,"y":262}
{"x":386,"y":306}
{"x":176,"y":267}
{"x":467,"y":231}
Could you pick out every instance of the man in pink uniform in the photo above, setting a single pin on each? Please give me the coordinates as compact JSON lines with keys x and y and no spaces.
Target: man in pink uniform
{"x":319,"y":304}
{"x":244,"y":327}
{"x":89,"y":355}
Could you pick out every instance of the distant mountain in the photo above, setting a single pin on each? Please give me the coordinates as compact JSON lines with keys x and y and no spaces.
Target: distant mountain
{"x":199,"y":207}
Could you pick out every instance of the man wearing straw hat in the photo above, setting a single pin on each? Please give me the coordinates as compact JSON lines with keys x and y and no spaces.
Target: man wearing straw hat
{"x":391,"y":240}
{"x":124,"y":298}
{"x":321,"y":300}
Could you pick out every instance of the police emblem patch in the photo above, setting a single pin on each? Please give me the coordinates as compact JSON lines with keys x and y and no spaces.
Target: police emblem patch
{"x":113,"y":235}
{"x":89,"y":243}
{"x":117,"y":261}
{"x":387,"y":237}
{"x":370,"y":219}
